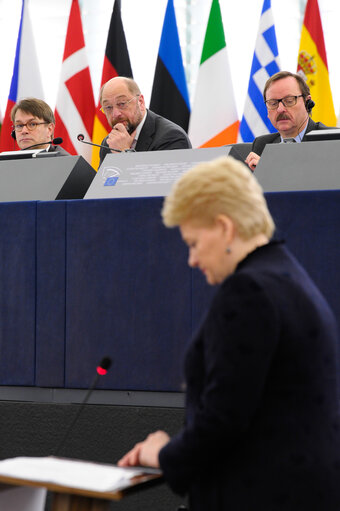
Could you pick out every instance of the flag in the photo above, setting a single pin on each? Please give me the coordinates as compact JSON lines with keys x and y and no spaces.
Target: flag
{"x":213,"y":120}
{"x":312,"y":64}
{"x":265,"y":63}
{"x":26,"y":75}
{"x":75,"y":107}
{"x":169,"y":96}
{"x":116,"y":63}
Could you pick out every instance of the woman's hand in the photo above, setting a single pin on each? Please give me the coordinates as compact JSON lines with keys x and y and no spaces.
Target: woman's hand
{"x":146,"y":453}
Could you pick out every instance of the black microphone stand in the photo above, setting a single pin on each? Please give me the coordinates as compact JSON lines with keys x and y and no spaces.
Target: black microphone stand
{"x":101,"y":370}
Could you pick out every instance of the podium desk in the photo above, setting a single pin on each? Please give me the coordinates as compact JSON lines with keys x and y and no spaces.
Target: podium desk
{"x":65,"y":498}
{"x":66,"y":177}
{"x":300,"y":167}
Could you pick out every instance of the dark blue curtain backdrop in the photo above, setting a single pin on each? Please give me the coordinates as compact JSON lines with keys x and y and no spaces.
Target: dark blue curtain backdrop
{"x":84,"y":279}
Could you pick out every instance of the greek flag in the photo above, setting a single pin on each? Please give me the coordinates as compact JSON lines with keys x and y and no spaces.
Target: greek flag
{"x":265,"y":63}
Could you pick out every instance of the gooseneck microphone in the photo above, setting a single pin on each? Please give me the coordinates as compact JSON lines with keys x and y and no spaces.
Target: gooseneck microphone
{"x":55,"y":141}
{"x":102,"y":369}
{"x":81,"y":137}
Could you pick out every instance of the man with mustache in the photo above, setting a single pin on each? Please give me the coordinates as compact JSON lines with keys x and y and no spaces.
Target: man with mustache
{"x":289,"y":103}
{"x":133,"y":126}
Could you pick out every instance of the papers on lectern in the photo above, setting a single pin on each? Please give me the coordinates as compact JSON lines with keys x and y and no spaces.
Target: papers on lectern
{"x":85,"y":475}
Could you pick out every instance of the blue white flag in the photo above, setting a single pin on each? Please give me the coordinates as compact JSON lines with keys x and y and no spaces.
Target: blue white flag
{"x":265,"y":63}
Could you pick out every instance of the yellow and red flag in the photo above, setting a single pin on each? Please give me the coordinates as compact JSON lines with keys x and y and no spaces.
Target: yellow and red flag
{"x":312,"y":64}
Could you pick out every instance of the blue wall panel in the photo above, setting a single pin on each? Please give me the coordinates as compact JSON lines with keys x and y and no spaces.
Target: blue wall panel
{"x":50,"y":313}
{"x":128,"y":295}
{"x":17,"y":293}
{"x":309,"y":222}
{"x":84,"y":279}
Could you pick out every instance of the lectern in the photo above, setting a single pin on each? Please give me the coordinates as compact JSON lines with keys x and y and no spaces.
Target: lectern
{"x":86,"y":489}
{"x":294,"y":167}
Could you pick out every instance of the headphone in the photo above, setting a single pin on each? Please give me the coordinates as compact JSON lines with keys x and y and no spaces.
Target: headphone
{"x":13,"y":135}
{"x":309,"y":104}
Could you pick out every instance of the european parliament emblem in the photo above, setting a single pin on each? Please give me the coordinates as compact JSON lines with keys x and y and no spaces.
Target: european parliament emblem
{"x":110,"y":176}
{"x":111,"y":181}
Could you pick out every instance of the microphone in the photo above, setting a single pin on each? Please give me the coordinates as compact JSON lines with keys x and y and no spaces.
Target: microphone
{"x":81,"y":137}
{"x":102,"y":369}
{"x":55,"y":141}
{"x":306,"y":119}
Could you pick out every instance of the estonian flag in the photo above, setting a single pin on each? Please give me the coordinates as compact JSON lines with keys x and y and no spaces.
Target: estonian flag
{"x":169,"y":96}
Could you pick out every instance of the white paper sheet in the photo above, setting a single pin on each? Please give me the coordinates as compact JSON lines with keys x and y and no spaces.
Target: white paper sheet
{"x":66,"y":472}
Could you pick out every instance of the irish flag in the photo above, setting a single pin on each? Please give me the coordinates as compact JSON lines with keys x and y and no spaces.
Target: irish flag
{"x":312,"y":64}
{"x":214,"y":120}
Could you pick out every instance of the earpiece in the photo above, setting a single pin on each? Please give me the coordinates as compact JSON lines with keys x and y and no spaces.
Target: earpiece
{"x":13,"y":135}
{"x":309,"y":105}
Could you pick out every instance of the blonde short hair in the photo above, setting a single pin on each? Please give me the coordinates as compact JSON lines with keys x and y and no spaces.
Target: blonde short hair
{"x":222,"y":186}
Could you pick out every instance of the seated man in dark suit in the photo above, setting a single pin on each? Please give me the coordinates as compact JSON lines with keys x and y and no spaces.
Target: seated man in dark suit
{"x":33,"y":126}
{"x":289,"y":103}
{"x":133,"y":126}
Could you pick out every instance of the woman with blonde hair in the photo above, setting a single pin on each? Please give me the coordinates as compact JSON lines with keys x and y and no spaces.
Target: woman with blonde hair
{"x":261,"y":430}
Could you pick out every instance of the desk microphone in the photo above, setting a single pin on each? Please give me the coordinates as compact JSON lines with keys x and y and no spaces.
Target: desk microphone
{"x":102,"y":369}
{"x":55,"y":141}
{"x":81,"y":137}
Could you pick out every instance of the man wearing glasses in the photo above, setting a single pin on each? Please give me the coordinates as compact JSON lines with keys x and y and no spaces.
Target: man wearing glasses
{"x":33,"y":125}
{"x":133,"y":126}
{"x":289,"y":103}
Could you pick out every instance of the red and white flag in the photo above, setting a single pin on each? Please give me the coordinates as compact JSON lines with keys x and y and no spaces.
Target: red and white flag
{"x":75,"y":108}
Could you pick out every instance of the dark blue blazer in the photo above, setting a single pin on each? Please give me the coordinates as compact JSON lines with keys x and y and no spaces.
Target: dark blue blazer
{"x":262,"y":430}
{"x":157,"y":134}
{"x":275,"y":138}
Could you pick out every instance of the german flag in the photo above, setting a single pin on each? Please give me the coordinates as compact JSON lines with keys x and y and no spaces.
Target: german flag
{"x":312,"y":64}
{"x":116,"y":63}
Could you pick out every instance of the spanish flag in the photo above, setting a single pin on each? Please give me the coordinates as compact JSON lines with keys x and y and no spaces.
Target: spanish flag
{"x":312,"y":64}
{"x":116,"y":63}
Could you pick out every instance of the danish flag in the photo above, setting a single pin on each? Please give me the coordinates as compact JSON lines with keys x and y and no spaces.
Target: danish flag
{"x":75,"y":108}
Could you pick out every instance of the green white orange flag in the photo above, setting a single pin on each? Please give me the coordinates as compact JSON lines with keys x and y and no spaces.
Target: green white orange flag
{"x":312,"y":64}
{"x":214,"y":120}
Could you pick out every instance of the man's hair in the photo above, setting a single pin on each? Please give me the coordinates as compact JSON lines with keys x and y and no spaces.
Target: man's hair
{"x":37,"y":107}
{"x":222,"y":186}
{"x":130,"y":83}
{"x":305,"y":91}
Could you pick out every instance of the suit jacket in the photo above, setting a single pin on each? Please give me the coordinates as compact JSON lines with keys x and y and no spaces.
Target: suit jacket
{"x":157,"y":134}
{"x":261,"y":430}
{"x":275,"y":138}
{"x":57,"y":148}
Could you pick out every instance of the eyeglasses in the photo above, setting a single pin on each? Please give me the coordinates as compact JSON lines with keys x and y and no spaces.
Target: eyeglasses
{"x":31,"y":125}
{"x":120,"y":105}
{"x":287,"y":101}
